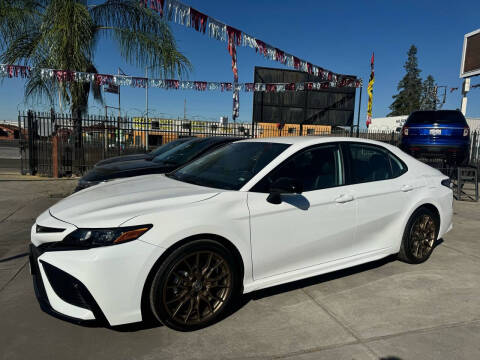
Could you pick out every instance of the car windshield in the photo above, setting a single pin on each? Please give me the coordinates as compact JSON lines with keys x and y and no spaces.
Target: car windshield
{"x":184,"y":152}
{"x":168,"y":146}
{"x":231,"y":166}
{"x":436,"y":117}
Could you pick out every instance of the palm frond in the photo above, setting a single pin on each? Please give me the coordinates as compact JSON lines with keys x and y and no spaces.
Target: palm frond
{"x":145,"y":49}
{"x":62,"y":34}
{"x":38,"y":88}
{"x":94,"y":87}
{"x":15,"y":15}
{"x":144,"y":38}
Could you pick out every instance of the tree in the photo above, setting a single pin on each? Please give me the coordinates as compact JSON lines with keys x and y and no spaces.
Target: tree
{"x":409,"y":88}
{"x":429,"y":94}
{"x":63,"y":34}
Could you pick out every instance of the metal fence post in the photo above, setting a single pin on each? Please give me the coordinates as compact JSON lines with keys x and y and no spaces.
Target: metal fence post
{"x":21,"y":148}
{"x":78,"y":146}
{"x":31,"y":144}
{"x":359,"y":108}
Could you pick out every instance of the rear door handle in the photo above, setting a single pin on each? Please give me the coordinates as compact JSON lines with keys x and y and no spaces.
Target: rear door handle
{"x":344,"y":198}
{"x":406,"y":188}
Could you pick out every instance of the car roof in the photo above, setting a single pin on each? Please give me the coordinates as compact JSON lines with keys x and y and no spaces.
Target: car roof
{"x":303,"y":141}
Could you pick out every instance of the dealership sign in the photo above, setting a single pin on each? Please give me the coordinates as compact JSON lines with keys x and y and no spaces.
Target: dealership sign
{"x":471,"y":55}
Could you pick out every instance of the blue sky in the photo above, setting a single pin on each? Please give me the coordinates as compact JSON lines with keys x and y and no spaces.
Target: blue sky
{"x":337,"y":35}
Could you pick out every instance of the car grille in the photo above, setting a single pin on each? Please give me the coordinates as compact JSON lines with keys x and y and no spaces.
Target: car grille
{"x":45,"y":229}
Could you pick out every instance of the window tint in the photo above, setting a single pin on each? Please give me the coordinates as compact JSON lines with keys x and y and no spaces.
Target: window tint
{"x":372,"y":163}
{"x":231,"y":166}
{"x":316,"y":168}
{"x":398,"y":167}
{"x":436,"y":117}
{"x":168,"y":146}
{"x":185,"y":152}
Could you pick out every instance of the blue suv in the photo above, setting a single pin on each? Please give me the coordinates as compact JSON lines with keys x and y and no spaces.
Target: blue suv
{"x":441,"y":133}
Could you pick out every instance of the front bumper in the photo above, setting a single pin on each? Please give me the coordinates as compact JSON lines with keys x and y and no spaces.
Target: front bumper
{"x":91,"y":314}
{"x":102,"y":285}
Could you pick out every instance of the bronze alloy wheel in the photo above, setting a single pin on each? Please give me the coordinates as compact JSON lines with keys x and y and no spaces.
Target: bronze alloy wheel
{"x":197,"y":287}
{"x":422,"y":236}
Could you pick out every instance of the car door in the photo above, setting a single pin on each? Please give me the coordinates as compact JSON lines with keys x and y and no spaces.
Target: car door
{"x":380,"y":188}
{"x":305,"y":229}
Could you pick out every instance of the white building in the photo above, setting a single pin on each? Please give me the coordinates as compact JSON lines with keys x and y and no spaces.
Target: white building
{"x":387,"y":124}
{"x":473,"y":124}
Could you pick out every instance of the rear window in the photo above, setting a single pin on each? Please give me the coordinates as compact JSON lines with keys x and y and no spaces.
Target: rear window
{"x":436,"y":117}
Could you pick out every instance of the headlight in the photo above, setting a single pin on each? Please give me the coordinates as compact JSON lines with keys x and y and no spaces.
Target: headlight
{"x":88,"y":238}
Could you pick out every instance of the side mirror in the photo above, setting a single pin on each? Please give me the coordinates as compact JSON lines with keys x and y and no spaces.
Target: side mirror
{"x":283,"y":186}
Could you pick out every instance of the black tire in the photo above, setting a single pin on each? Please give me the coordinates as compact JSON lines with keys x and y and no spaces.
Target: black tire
{"x":417,"y":242}
{"x":184,"y":295}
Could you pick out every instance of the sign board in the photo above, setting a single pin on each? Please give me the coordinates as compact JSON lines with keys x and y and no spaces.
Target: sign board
{"x":332,"y":106}
{"x":471,"y":55}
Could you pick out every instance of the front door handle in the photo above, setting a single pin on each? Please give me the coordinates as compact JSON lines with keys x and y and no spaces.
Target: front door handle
{"x":406,"y":188}
{"x":344,"y":198}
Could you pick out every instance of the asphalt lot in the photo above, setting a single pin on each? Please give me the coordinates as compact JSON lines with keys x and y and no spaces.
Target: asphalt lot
{"x":383,"y":310}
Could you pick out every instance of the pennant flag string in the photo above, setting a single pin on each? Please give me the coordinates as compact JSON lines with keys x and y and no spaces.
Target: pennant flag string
{"x":185,"y":15}
{"x":15,"y":71}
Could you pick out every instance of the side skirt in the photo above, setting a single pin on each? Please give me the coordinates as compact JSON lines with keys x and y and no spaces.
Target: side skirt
{"x":318,"y":269}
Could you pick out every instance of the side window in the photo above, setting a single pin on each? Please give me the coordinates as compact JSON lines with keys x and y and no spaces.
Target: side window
{"x":398,"y":167}
{"x":371,"y":163}
{"x":316,"y":168}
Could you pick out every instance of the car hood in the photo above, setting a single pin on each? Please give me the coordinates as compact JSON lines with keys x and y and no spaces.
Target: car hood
{"x":123,"y":169}
{"x":112,"y":203}
{"x":117,"y":159}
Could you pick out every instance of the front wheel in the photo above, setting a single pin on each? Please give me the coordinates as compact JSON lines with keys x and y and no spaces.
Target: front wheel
{"x":194,"y":286}
{"x":419,"y":237}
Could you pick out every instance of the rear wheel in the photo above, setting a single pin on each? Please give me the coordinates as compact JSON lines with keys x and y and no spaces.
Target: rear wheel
{"x":419,"y":237}
{"x":195,"y":286}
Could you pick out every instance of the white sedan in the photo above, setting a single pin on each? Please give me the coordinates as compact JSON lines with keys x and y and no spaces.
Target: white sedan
{"x":181,"y":248}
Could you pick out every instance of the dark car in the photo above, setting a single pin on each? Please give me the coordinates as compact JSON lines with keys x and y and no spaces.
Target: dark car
{"x":160,"y":164}
{"x":441,"y":134}
{"x":148,"y":156}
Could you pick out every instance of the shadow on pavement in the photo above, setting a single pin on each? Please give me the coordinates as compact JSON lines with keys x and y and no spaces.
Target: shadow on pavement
{"x":299,"y":284}
{"x":260,"y":294}
{"x":13,"y":257}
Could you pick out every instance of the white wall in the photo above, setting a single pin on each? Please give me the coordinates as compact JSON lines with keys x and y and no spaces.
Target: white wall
{"x":474,"y":124}
{"x":388,"y":124}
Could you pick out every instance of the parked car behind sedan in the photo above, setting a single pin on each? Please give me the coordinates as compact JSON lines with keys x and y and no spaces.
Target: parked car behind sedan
{"x":148,"y":156}
{"x":442,"y":133}
{"x":182,"y":247}
{"x":160,"y":164}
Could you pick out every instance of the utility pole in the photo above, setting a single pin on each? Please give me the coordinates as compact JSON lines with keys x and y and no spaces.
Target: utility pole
{"x":465,"y":90}
{"x":146,"y":108}
{"x":185,"y":109}
{"x":119,"y":119}
{"x":359,"y":107}
{"x":119,"y":112}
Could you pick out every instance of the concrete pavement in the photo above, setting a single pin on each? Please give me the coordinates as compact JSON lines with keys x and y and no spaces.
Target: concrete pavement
{"x":382,"y":310}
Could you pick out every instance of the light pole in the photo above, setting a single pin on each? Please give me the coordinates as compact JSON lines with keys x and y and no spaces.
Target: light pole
{"x":146,"y":107}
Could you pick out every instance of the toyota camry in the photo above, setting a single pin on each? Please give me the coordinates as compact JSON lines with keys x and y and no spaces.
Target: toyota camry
{"x":180,"y":248}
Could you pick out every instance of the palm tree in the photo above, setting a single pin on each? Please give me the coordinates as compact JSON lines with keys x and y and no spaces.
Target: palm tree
{"x":63,"y":34}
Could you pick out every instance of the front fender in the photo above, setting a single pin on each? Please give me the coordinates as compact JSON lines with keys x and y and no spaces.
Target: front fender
{"x":224,"y":215}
